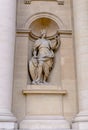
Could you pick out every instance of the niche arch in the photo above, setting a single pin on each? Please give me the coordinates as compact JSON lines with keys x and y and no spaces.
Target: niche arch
{"x":53,"y":24}
{"x":51,"y":16}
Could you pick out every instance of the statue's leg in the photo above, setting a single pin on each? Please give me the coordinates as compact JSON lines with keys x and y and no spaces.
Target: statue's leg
{"x":46,"y":72}
{"x":33,"y":70}
{"x":40,"y":72}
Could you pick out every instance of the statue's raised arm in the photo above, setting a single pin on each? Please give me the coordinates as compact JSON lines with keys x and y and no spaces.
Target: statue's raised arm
{"x":57,"y":42}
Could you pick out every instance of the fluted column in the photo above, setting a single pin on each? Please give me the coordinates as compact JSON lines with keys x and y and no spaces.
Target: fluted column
{"x":7,"y":43}
{"x":80,"y":13}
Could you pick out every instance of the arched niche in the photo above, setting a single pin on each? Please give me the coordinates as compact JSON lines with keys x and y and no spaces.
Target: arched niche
{"x":47,"y":15}
{"x":51,"y":28}
{"x":44,"y":23}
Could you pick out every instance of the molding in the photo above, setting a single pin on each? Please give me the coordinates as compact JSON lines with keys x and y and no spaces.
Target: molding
{"x":60,"y":92}
{"x":22,"y":34}
{"x":44,"y":117}
{"x":66,"y":32}
{"x":33,"y":37}
{"x":60,"y":2}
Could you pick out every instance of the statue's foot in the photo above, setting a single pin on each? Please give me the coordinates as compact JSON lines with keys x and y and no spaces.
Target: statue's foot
{"x":34,"y":82}
{"x":46,"y":83}
{"x":39,"y":82}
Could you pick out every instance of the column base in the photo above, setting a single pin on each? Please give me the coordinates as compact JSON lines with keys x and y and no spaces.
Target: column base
{"x":8,"y":125}
{"x":80,"y":126}
{"x":81,"y":121}
{"x":44,"y":122}
{"x":7,"y":120}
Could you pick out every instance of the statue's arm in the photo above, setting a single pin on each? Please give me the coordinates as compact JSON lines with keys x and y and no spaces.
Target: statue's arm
{"x":34,"y":53}
{"x":35,"y":48}
{"x":56,"y":43}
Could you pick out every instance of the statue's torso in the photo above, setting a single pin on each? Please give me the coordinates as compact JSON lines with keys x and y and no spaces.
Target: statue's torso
{"x":44,"y":49}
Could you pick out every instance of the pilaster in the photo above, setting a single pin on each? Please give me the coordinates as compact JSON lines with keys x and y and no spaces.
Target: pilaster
{"x":80,"y":12}
{"x":7,"y":44}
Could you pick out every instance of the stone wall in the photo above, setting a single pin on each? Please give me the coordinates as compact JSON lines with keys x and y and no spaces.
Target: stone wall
{"x":63,"y":73}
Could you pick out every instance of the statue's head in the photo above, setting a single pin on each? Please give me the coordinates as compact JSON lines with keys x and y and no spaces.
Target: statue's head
{"x":43,"y":33}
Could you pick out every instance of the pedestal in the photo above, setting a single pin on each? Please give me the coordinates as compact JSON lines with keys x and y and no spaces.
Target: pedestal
{"x":44,"y":108}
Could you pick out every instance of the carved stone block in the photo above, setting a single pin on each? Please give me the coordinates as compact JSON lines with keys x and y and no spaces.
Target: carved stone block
{"x":27,"y":1}
{"x":60,"y":2}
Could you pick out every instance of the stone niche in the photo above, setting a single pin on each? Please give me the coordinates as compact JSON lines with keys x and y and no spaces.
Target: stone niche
{"x":51,"y":28}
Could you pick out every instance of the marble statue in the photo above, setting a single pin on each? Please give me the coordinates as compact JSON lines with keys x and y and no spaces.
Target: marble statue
{"x":43,"y":57}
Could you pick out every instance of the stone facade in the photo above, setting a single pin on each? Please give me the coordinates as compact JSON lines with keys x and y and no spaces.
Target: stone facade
{"x":61,"y":104}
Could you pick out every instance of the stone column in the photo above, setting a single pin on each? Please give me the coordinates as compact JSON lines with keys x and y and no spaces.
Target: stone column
{"x":80,"y":12}
{"x":7,"y":43}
